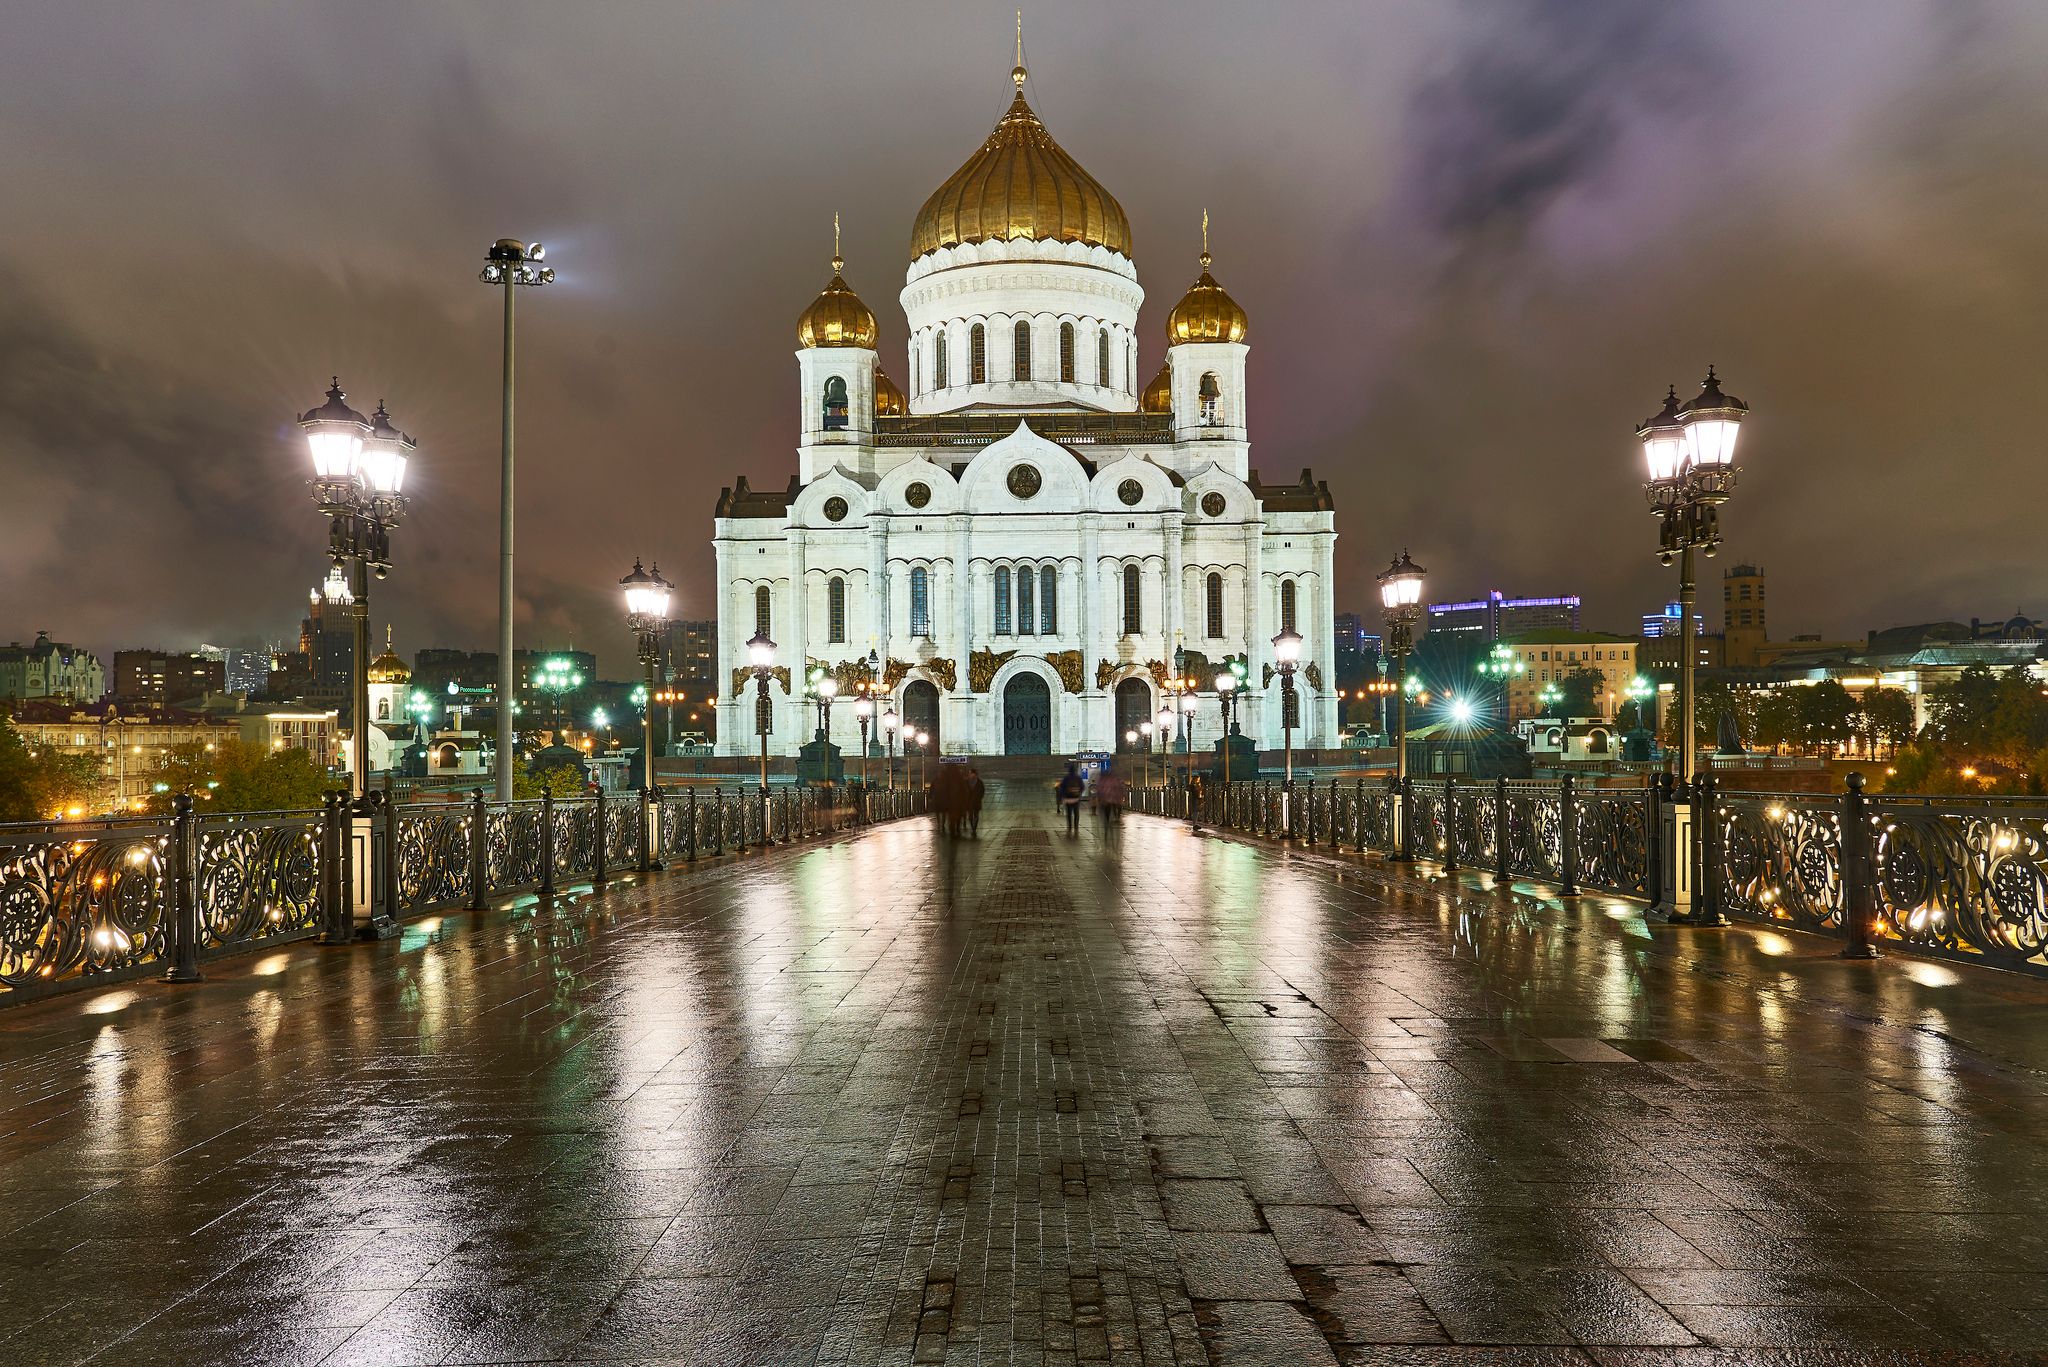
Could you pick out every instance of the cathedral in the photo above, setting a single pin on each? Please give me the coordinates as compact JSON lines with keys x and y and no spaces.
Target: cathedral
{"x":1020,"y":546}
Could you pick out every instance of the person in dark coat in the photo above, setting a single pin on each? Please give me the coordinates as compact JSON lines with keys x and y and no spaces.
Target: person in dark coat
{"x":1068,"y":794}
{"x":975,"y":791}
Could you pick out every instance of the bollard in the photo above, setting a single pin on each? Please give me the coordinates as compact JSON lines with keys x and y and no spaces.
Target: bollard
{"x":1859,"y":884}
{"x":184,"y":927}
{"x":1567,"y":837}
{"x":479,"y":848}
{"x":547,"y":842}
{"x":1450,"y":825}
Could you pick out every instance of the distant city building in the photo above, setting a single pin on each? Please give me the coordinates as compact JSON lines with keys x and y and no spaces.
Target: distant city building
{"x":284,"y":727}
{"x":248,"y":671}
{"x":162,"y":678}
{"x":1550,"y":656}
{"x":693,"y":653}
{"x":471,"y":671}
{"x":129,"y":747}
{"x":50,"y":669}
{"x":1497,"y":616}
{"x":326,"y":648}
{"x":1743,"y":628}
{"x":1670,"y":622}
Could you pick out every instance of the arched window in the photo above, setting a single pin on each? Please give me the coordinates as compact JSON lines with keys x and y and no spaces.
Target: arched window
{"x":764,"y":617}
{"x":1132,"y":617}
{"x":1287,"y":605}
{"x":1002,"y":600}
{"x":1026,"y":614}
{"x":1102,"y":357}
{"x":1022,"y":347}
{"x":835,"y":609}
{"x":1066,"y":353}
{"x":977,"y":356}
{"x":1214,"y":593}
{"x":835,"y":404}
{"x":1212,"y":400}
{"x":1048,"y":601}
{"x":939,"y":361}
{"x":920,"y":602}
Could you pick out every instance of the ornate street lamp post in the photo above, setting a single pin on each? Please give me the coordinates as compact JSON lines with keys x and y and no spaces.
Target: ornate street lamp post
{"x":1690,"y":451}
{"x":890,"y":721}
{"x":1287,"y":656}
{"x":761,"y":657}
{"x":1401,"y":600}
{"x":1145,"y":763}
{"x":555,"y":677}
{"x":1502,"y":664}
{"x":647,"y":599}
{"x":864,"y":709}
{"x":1189,"y":701}
{"x":1226,"y":699}
{"x":511,"y":264}
{"x":358,"y":482}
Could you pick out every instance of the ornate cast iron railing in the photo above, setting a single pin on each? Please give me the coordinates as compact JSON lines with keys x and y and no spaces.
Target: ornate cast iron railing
{"x":85,"y":902}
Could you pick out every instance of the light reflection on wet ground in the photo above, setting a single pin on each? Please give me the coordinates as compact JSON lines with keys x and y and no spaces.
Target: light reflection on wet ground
{"x":1025,"y":1099}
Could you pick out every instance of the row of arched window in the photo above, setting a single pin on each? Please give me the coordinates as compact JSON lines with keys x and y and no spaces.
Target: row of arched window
{"x":1022,"y":365}
{"x":1026,"y":604}
{"x":1037,"y":613}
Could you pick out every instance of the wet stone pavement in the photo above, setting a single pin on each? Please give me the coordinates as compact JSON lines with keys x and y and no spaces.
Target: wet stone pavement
{"x":1031,"y":1100}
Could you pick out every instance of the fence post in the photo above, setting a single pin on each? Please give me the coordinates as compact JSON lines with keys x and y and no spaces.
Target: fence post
{"x":384,"y":906}
{"x":334,"y":880}
{"x":718,"y":820}
{"x":597,"y":855}
{"x":1500,"y":830}
{"x":1859,"y":888}
{"x":1450,"y":824}
{"x":184,"y":927}
{"x":547,"y":842}
{"x":1653,"y":833}
{"x":1404,"y":824}
{"x":1707,"y":846}
{"x":479,"y":848}
{"x":690,"y":827}
{"x":650,"y":828}
{"x":1568,"y":837}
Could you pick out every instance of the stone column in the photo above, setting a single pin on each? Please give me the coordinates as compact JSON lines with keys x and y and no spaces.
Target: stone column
{"x":1258,"y":632}
{"x":1173,"y":627}
{"x":1326,"y":633}
{"x":878,"y":587}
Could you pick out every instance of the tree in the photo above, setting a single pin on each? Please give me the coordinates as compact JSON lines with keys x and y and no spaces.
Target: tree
{"x":1960,"y":711}
{"x":38,"y":781}
{"x":1886,"y":714}
{"x":1774,"y":719}
{"x":1717,"y":700}
{"x":560,"y":780}
{"x":1581,"y":690}
{"x":236,"y":776}
{"x":1827,"y":715}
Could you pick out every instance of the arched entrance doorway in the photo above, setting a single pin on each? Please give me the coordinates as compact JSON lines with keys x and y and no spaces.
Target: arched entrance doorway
{"x":1133,"y":705}
{"x":921,"y":712}
{"x":1027,"y":716}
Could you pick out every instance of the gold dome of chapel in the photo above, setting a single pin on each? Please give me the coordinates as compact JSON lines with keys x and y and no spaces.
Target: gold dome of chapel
{"x":836,"y":317}
{"x":1158,"y":395}
{"x":1021,"y":185}
{"x":1206,"y":313}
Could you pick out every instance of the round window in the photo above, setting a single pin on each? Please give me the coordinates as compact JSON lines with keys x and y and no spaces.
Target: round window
{"x":835,"y":509}
{"x":1130,"y":491}
{"x":918,"y":494}
{"x":1212,"y":504}
{"x":1024,"y":480}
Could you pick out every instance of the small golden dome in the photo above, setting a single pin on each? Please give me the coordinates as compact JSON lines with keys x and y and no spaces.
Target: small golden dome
{"x":1158,"y":396}
{"x":837,"y":317}
{"x":888,"y":398}
{"x":1023,"y":186}
{"x":388,"y":668}
{"x":1206,"y":314}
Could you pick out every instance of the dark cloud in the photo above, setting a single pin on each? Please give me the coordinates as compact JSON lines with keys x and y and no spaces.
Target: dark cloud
{"x":1475,"y":241}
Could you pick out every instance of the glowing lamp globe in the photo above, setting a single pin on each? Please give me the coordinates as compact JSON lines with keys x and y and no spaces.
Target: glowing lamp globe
{"x":334,"y":436}
{"x":1664,"y":441}
{"x":382,"y":458}
{"x":761,"y":651}
{"x":1401,"y":585}
{"x":1287,"y":646}
{"x":647,"y":596}
{"x":1712,"y":422}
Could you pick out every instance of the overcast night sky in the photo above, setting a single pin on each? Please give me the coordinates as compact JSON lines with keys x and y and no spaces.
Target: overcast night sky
{"x":1475,"y":242}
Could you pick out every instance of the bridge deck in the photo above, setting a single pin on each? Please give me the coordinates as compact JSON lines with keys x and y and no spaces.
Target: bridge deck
{"x":1023,"y":1099}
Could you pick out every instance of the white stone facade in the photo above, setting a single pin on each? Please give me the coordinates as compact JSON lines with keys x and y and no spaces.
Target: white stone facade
{"x":909,"y":537}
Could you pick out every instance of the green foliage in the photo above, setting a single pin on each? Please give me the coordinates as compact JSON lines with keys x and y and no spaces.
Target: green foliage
{"x":1774,"y":719}
{"x":1886,"y":714}
{"x":1827,"y":715}
{"x":1996,"y":719}
{"x":236,"y":776}
{"x":561,"y":780}
{"x":1716,"y":700}
{"x":1581,"y":689}
{"x":36,"y":782}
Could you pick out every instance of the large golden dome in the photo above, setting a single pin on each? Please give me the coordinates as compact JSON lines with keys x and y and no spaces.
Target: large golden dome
{"x":888,"y":398}
{"x":1158,"y":396}
{"x":388,"y":668}
{"x":1021,"y":185}
{"x":1206,"y":314}
{"x":837,"y":317}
